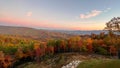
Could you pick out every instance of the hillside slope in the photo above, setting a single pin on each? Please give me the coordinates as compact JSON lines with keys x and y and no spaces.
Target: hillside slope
{"x":32,"y":33}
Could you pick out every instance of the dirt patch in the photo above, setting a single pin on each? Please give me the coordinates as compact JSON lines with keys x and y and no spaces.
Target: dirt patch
{"x":57,"y":61}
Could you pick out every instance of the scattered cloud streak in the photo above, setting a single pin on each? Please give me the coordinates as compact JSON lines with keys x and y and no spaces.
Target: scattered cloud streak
{"x":107,"y":10}
{"x":93,"y":13}
{"x":29,"y":14}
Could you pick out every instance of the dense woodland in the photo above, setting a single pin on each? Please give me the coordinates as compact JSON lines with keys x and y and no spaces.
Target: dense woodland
{"x":15,"y":50}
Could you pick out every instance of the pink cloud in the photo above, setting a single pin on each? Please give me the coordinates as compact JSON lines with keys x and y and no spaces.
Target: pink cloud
{"x":29,"y":14}
{"x":43,"y":24}
{"x":32,"y":23}
{"x":21,"y":22}
{"x":93,"y":13}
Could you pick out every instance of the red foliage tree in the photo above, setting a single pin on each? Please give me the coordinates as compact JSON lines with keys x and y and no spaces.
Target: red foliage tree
{"x":79,"y":45}
{"x":90,"y":48}
{"x":50,"y":50}
{"x":37,"y":54}
{"x":37,"y":51}
{"x":113,"y":50}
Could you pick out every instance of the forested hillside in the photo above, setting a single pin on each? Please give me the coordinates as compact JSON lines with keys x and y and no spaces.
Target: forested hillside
{"x":32,"y":33}
{"x":15,"y":50}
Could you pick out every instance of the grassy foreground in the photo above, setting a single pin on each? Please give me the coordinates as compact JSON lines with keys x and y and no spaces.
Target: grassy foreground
{"x":100,"y":64}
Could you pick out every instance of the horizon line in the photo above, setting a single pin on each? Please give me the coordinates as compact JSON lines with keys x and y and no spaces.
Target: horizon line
{"x":44,"y":28}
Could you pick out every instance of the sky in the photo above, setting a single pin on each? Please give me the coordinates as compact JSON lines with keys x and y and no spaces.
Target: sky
{"x":58,"y":14}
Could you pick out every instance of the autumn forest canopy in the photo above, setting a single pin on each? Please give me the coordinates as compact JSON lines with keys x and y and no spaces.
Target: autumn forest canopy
{"x":17,"y":49}
{"x":59,"y":34}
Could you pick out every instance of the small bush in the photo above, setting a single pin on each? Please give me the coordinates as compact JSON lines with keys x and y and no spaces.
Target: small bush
{"x":102,"y":51}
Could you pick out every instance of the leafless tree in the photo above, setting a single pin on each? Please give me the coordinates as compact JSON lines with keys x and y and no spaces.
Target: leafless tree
{"x":113,"y":25}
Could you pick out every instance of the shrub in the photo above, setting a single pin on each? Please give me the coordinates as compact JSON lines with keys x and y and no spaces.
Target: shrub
{"x":83,"y":49}
{"x":102,"y":51}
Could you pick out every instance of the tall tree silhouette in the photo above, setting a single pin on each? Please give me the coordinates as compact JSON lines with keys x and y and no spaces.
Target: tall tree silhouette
{"x":113,"y":25}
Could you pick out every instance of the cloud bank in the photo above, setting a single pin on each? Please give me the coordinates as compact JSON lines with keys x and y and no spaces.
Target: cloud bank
{"x":93,"y":13}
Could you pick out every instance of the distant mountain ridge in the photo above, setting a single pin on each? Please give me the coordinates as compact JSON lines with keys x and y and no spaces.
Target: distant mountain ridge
{"x":81,"y":32}
{"x":43,"y":34}
{"x":31,"y":32}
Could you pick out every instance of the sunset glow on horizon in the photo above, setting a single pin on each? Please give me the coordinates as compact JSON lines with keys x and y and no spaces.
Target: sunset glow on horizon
{"x":58,"y":14}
